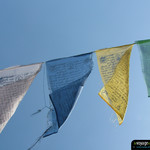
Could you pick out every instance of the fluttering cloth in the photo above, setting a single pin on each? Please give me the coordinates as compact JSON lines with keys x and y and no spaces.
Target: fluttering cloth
{"x":113,"y":65}
{"x":14,"y":83}
{"x":144,"y":47}
{"x":66,"y":78}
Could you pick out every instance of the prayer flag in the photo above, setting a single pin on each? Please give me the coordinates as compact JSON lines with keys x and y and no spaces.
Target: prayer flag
{"x":113,"y":65}
{"x":144,"y":46}
{"x":14,"y":83}
{"x":66,"y":77}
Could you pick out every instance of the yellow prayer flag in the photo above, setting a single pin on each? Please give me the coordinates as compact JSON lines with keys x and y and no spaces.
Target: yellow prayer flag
{"x":113,"y":65}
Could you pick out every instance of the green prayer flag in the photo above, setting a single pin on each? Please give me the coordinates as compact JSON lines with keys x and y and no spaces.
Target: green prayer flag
{"x":144,"y":46}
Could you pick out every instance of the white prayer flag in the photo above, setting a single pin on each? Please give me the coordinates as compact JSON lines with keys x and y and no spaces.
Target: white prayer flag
{"x":14,"y":83}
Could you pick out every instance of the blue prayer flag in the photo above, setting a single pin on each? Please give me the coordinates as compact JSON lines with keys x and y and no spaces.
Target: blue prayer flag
{"x":66,"y":78}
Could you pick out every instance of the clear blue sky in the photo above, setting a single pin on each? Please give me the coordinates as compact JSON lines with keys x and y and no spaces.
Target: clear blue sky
{"x":38,"y":30}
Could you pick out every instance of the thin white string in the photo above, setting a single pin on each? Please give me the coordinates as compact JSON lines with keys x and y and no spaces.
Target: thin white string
{"x":45,"y":106}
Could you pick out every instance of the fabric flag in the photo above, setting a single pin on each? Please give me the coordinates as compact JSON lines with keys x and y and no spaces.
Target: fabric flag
{"x":113,"y":65}
{"x":144,"y":47}
{"x":14,"y":83}
{"x":66,"y":78}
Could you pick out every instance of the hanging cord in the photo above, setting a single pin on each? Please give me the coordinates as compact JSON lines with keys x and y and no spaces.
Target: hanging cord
{"x":50,"y":125}
{"x":113,"y":47}
{"x":45,"y":106}
{"x":38,"y":140}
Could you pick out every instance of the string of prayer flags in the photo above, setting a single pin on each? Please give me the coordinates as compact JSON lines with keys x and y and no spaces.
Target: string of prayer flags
{"x":66,"y":78}
{"x":14,"y":83}
{"x":144,"y":47}
{"x":113,"y":65}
